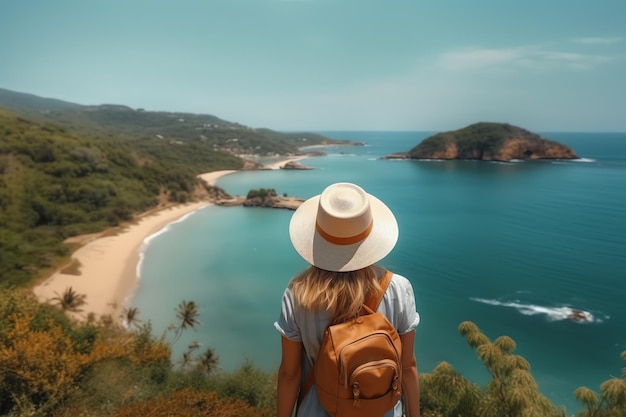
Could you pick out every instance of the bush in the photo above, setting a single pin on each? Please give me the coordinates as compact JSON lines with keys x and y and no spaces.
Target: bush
{"x":261,"y":193}
{"x":191,"y":403}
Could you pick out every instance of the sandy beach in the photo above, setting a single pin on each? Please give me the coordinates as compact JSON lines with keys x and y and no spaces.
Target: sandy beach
{"x":281,"y":163}
{"x":212,"y":177}
{"x":107,"y":272}
{"x":108,"y":265}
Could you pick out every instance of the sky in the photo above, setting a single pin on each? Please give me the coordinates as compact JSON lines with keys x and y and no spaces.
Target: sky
{"x":430,"y":65}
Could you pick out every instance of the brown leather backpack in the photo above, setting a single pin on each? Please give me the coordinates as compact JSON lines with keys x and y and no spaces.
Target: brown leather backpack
{"x":358,"y":370}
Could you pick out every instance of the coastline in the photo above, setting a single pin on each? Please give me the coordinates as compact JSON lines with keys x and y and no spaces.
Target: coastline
{"x":107,"y":265}
{"x":282,"y":162}
{"x":107,"y":271}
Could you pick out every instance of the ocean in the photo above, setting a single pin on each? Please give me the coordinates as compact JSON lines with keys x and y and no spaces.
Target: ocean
{"x":512,"y":247}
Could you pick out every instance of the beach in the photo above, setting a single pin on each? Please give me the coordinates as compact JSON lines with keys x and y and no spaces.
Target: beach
{"x":106,"y":265}
{"x":104,"y":269}
{"x":282,"y":162}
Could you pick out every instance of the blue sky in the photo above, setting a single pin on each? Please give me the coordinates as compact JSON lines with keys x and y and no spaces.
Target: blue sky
{"x":544,"y":65}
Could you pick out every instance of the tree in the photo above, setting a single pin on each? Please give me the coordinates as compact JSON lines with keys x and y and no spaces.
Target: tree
{"x":130,"y":317}
{"x":187,"y":313}
{"x":512,"y":392}
{"x":209,"y":361}
{"x":70,"y":300}
{"x":187,"y":357}
{"x":611,"y":402}
{"x":445,"y":393}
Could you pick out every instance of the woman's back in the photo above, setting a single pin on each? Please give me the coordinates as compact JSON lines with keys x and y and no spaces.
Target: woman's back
{"x":308,"y":327}
{"x":342,"y":233}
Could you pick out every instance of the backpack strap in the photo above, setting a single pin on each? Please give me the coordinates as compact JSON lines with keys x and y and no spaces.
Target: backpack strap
{"x":372,"y":301}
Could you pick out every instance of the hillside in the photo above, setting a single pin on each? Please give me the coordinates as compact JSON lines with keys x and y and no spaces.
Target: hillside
{"x":123,"y":122}
{"x":68,"y":169}
{"x":488,"y":142}
{"x":55,"y":184}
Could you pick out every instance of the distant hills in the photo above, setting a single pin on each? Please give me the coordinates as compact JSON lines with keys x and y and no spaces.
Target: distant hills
{"x":488,"y":142}
{"x":68,"y":169}
{"x":123,"y":122}
{"x":32,"y":104}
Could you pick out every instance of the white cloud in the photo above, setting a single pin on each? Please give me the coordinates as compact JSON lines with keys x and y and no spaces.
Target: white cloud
{"x":599,"y":40}
{"x":519,"y":58}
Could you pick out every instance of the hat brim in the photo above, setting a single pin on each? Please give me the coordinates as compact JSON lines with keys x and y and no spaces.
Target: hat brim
{"x":342,"y":258}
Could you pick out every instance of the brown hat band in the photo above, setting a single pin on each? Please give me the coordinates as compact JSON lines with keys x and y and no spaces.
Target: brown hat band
{"x":344,"y":240}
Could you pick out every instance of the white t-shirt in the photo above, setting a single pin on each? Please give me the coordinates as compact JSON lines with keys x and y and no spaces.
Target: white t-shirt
{"x":300,"y":325}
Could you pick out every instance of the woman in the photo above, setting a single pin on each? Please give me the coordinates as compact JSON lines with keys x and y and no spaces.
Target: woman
{"x":342,"y":233}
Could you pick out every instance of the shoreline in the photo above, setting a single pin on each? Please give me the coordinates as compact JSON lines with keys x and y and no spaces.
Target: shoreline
{"x":107,"y":272}
{"x":108,"y":265}
{"x":281,"y":163}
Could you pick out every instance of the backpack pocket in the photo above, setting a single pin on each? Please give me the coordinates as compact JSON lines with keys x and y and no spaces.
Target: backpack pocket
{"x":375,"y":379}
{"x":372,"y":348}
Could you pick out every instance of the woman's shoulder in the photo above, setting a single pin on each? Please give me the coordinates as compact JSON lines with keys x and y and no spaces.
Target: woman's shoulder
{"x":399,"y":304}
{"x":399,"y":288}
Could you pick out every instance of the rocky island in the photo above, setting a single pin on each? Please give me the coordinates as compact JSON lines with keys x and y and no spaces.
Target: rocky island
{"x":262,"y":198}
{"x":295,"y":165}
{"x":487,"y":142}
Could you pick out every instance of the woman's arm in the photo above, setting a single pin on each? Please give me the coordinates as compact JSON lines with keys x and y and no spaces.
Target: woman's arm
{"x":410,"y":381}
{"x":289,"y":377}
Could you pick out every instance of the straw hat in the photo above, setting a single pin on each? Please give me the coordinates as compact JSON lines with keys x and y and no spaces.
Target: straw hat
{"x":343,"y":229}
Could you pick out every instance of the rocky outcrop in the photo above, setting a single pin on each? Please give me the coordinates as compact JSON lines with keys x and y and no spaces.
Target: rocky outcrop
{"x":488,"y":142}
{"x":264,"y":199}
{"x":290,"y":203}
{"x":294,"y":165}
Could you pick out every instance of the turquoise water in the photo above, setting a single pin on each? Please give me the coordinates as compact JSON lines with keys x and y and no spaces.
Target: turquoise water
{"x":509,"y":246}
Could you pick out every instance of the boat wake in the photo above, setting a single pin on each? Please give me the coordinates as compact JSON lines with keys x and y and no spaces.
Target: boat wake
{"x":551,"y":313}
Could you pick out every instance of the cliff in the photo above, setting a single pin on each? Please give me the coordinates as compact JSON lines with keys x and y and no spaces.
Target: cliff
{"x":488,"y":142}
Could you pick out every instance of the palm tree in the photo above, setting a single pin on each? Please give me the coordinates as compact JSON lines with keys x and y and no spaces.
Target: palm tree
{"x":209,"y":361}
{"x":70,"y":300}
{"x":187,"y":358}
{"x":187,"y":313}
{"x":130,"y":317}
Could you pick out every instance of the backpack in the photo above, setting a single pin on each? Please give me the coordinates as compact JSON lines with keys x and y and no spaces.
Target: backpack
{"x":358,"y":370}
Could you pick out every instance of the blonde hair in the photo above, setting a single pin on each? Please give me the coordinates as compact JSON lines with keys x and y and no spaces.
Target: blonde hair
{"x":342,"y":293}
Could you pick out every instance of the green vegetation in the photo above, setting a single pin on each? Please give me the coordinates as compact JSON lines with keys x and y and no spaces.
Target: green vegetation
{"x":473,"y":141}
{"x":68,"y":169}
{"x":484,"y":141}
{"x":55,"y":184}
{"x":52,"y":366}
{"x":261,"y":193}
{"x":112,"y":121}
